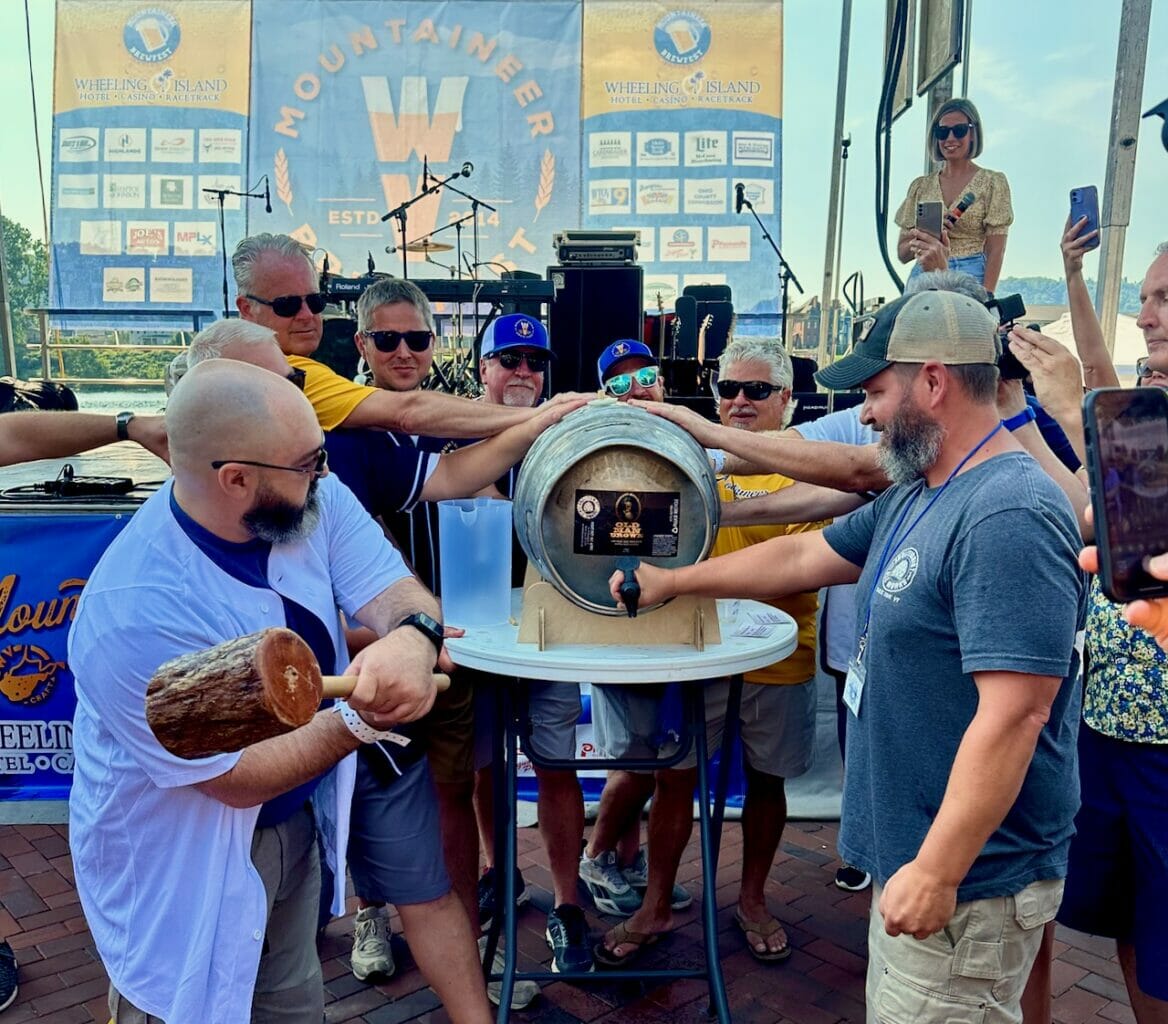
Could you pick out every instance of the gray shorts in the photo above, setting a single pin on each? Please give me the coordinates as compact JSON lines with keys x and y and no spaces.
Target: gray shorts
{"x":972,"y":972}
{"x":554,"y":710}
{"x":778,"y":724}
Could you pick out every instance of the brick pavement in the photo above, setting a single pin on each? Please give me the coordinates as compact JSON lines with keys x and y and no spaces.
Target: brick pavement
{"x":62,"y":982}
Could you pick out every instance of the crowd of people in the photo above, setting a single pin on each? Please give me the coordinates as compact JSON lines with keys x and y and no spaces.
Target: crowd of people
{"x":1004,"y":724}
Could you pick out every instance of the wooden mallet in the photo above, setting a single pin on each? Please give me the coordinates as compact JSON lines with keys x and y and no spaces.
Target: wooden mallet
{"x":240,"y":692}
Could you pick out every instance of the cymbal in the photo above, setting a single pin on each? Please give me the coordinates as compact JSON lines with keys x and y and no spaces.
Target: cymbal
{"x":425,"y":245}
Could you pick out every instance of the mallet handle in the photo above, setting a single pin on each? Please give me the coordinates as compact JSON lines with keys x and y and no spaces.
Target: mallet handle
{"x":342,"y":686}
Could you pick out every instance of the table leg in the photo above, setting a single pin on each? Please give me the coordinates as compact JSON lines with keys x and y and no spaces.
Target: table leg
{"x":718,"y":1001}
{"x":506,"y":815}
{"x":729,"y":735}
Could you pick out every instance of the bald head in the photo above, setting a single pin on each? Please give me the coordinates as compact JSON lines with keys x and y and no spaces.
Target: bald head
{"x":225,"y":409}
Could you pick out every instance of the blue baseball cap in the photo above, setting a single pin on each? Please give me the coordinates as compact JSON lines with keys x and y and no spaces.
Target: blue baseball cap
{"x":515,"y":330}
{"x":626,"y":348}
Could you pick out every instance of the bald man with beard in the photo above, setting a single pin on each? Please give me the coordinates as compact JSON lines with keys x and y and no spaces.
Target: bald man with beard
{"x":199,"y":879}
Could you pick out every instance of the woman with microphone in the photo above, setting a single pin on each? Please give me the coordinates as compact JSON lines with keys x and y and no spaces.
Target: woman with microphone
{"x":973,"y":234}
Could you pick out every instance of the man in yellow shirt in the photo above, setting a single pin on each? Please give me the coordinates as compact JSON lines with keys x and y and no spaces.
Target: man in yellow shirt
{"x":277,"y":286}
{"x":778,"y":702}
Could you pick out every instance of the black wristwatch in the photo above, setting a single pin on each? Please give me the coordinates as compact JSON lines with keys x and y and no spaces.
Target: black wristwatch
{"x":431,"y":627}
{"x":122,"y":420}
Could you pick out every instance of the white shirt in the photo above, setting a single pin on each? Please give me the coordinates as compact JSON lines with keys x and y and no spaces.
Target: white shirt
{"x":164,"y":873}
{"x":838,"y":621}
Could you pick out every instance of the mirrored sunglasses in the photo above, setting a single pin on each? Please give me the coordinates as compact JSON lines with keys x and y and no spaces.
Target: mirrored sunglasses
{"x":622,"y":383}
{"x":1142,"y":366}
{"x":941,"y":131}
{"x":536,"y":361}
{"x":755,"y":390}
{"x":388,"y":341}
{"x":289,"y":305}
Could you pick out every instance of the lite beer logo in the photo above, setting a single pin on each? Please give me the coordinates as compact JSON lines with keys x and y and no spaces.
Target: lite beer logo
{"x":416,"y":116}
{"x":28,"y":672}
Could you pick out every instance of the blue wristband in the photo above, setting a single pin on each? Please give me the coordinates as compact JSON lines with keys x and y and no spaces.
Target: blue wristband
{"x":1027,"y":415}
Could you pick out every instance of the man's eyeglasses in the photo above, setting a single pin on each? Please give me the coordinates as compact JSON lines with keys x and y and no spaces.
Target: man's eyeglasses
{"x":388,"y":341}
{"x":319,"y":464}
{"x":289,"y":305}
{"x":536,"y":361}
{"x":755,"y":390}
{"x":622,"y":383}
{"x":941,"y":131}
{"x":297,"y":376}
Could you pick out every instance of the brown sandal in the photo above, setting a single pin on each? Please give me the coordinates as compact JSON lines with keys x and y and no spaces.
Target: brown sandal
{"x":764,"y":929}
{"x":624,"y":936}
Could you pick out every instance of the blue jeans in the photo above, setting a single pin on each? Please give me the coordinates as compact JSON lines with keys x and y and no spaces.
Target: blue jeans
{"x":974,"y":265}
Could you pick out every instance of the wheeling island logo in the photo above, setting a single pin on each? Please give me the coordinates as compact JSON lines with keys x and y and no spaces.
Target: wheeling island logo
{"x":151,"y":35}
{"x":681,"y":37}
{"x":436,"y":116}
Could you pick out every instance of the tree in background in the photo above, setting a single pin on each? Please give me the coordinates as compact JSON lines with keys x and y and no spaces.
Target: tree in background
{"x":26,"y":266}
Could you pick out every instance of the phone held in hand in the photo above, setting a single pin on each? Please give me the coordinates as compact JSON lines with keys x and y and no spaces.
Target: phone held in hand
{"x":1127,"y":464}
{"x":1085,"y":203}
{"x":929,"y":218}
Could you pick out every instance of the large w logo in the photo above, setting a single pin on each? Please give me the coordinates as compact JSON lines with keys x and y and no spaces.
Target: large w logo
{"x":413,"y":130}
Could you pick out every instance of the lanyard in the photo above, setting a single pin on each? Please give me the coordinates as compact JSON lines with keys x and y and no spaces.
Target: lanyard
{"x":895,"y":542}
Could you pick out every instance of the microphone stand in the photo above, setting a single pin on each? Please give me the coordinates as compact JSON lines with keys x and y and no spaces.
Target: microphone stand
{"x":786,"y":274}
{"x":220,"y":194}
{"x":399,"y":212}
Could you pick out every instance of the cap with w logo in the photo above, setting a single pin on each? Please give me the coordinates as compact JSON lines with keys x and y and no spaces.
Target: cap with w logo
{"x":946,"y":326}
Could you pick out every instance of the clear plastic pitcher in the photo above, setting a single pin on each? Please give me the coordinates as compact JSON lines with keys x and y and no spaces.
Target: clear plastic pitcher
{"x":474,"y":538}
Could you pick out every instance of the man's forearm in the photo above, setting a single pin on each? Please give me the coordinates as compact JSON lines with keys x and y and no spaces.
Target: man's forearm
{"x":800,"y":503}
{"x":466,"y":471}
{"x":843,"y":467}
{"x":1098,"y":371}
{"x":434,"y":414}
{"x":397,"y":602}
{"x":27,"y":436}
{"x":276,"y":765}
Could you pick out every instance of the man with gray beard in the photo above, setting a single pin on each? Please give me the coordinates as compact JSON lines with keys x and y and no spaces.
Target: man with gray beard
{"x":968,"y":603}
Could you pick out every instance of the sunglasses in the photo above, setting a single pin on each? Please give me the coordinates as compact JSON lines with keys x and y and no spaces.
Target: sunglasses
{"x":622,"y":383}
{"x":297,"y":377}
{"x":536,"y":362}
{"x":289,"y":305}
{"x":388,"y":341}
{"x":319,"y":464}
{"x":755,"y":390}
{"x":941,"y":131}
{"x":1142,"y":366}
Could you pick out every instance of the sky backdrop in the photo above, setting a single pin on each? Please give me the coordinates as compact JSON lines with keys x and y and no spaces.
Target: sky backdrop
{"x":1042,"y":75}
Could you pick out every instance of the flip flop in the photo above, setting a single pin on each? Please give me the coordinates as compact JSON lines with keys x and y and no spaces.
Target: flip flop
{"x":623,"y":936}
{"x":764,"y":929}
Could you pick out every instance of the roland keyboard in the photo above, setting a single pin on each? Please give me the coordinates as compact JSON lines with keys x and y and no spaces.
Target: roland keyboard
{"x":443,"y":289}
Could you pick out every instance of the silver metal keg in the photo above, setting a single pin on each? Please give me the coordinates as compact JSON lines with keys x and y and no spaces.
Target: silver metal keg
{"x":607,"y":481}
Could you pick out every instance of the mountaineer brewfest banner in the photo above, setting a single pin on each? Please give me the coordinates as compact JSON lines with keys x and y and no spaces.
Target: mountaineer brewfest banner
{"x":566,"y":114}
{"x":150,"y":109}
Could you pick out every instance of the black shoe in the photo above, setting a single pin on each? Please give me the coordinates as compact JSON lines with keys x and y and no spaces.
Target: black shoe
{"x":852,"y":879}
{"x":567,"y":934}
{"x":8,"y":987}
{"x":487,"y":896}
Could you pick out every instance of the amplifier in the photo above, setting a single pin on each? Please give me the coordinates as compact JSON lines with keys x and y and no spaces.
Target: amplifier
{"x":596,"y":248}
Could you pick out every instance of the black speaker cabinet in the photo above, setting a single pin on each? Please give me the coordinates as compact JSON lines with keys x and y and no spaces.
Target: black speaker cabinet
{"x":592,"y":307}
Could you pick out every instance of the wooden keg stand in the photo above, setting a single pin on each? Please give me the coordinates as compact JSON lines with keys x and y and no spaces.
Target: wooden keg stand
{"x":548,"y":618}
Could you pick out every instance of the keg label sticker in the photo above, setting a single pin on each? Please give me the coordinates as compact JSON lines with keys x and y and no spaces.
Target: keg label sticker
{"x":627,"y":523}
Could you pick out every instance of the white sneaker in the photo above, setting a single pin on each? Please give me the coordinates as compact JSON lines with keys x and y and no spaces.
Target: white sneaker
{"x":371,"y":951}
{"x":523,"y":993}
{"x":637,"y":875}
{"x":607,"y":886}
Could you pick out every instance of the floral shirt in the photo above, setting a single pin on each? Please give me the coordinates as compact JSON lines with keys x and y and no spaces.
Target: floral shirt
{"x":1125,"y":695}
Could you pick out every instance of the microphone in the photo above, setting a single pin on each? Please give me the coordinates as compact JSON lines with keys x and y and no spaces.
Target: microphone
{"x":963,"y":204}
{"x":740,"y":197}
{"x":369,"y":263}
{"x":324,"y":273}
{"x":267,"y":196}
{"x":467,"y":168}
{"x":425,"y":170}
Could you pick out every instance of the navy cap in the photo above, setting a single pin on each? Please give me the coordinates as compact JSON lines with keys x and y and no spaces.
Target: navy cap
{"x":626,"y":348}
{"x":515,"y":330}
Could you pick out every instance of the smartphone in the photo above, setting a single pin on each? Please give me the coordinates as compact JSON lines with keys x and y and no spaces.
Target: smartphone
{"x":1127,"y":464}
{"x":1085,"y":203}
{"x":929,"y":218}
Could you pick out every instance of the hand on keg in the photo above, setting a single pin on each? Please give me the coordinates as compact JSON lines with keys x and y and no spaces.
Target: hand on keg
{"x":704,"y":432}
{"x":555,"y":409}
{"x":656,"y":585}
